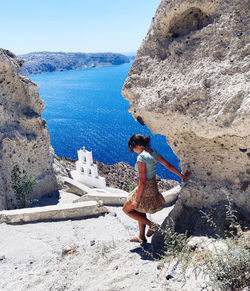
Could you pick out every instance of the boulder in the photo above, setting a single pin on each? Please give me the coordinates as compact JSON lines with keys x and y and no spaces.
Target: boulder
{"x":189,"y":83}
{"x":55,"y":212}
{"x":24,"y":137}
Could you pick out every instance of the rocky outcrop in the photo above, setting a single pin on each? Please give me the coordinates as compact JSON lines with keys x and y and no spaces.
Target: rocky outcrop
{"x":189,"y":83}
{"x":41,"y":62}
{"x":24,"y":138}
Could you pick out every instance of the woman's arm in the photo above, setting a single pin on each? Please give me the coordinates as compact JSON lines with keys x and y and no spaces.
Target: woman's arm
{"x":173,"y":168}
{"x":141,"y":183}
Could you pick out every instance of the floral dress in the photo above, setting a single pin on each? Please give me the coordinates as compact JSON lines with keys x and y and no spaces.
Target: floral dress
{"x":151,"y":199}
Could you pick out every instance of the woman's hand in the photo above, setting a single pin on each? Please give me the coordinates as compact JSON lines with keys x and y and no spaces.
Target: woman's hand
{"x":134,"y":204}
{"x":173,"y":169}
{"x":186,"y":176}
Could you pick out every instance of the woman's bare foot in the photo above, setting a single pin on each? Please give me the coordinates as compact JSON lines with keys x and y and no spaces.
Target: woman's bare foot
{"x":138,"y":239}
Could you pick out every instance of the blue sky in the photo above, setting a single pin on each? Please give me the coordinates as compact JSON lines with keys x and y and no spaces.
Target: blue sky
{"x":76,"y":25}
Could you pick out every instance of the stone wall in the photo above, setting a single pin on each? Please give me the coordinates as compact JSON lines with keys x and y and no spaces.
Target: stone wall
{"x":24,"y":138}
{"x":189,"y":83}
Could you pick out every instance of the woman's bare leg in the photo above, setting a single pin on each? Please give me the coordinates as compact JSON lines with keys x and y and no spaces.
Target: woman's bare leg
{"x":140,"y":217}
{"x":142,"y":228}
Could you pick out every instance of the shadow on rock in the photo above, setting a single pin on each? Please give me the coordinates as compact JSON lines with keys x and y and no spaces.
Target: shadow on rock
{"x":46,"y":200}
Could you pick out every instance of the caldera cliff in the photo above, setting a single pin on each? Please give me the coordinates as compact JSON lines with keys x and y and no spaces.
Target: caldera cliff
{"x":42,"y":62}
{"x":189,"y":83}
{"x":24,"y":138}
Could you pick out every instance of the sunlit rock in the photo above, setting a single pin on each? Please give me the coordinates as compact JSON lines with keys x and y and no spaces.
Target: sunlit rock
{"x":189,"y":83}
{"x":24,"y":138}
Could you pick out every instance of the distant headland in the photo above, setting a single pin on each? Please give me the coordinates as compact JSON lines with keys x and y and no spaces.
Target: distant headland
{"x":42,"y":62}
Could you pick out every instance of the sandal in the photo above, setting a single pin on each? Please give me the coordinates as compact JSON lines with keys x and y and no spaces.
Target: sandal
{"x":138,"y":239}
{"x":152,"y":229}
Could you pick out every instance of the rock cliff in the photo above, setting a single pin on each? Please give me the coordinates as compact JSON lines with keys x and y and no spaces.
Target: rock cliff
{"x":24,"y":138}
{"x":41,"y":62}
{"x":189,"y":83}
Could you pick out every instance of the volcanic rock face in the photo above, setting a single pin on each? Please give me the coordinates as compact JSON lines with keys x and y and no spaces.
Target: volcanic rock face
{"x":189,"y":83}
{"x":24,"y":138}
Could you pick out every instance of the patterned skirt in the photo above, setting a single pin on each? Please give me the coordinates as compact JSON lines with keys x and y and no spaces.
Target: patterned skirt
{"x":151,"y":199}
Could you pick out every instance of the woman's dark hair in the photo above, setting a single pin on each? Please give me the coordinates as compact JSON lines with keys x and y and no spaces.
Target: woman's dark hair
{"x":138,"y":139}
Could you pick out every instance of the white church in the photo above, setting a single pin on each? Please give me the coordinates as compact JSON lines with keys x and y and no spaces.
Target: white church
{"x":86,"y":171}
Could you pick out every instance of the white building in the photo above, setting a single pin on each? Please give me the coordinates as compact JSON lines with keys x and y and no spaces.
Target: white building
{"x":86,"y":171}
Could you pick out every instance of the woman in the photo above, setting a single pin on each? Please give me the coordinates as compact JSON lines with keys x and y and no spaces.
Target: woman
{"x":146,"y":198}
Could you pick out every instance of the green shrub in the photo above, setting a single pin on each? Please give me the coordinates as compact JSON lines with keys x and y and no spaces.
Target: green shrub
{"x":174,"y":242}
{"x":23,"y":186}
{"x":174,"y":246}
{"x":228,"y":268}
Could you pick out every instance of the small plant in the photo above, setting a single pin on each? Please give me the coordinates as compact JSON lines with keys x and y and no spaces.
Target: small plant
{"x":231,"y":218}
{"x":174,"y":247}
{"x":105,"y":248}
{"x":230,"y":212}
{"x":209,"y":219}
{"x":23,"y":186}
{"x":223,"y":223}
{"x":174,"y":242}
{"x":228,"y":267}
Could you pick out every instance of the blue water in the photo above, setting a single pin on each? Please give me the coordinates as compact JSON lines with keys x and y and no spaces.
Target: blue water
{"x":85,"y":108}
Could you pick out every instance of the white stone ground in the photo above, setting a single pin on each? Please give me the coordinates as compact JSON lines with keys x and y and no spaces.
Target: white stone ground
{"x":90,"y":254}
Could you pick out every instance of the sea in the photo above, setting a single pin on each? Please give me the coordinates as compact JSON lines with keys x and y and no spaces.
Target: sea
{"x":85,"y":108}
